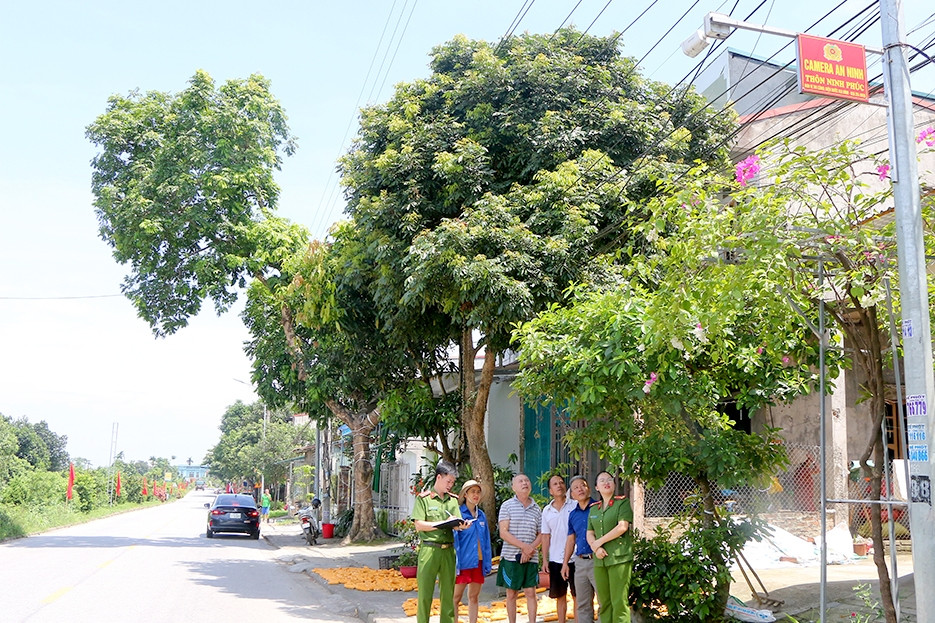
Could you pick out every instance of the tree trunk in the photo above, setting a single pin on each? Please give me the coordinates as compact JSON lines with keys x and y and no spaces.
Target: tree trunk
{"x":473,"y":415}
{"x":709,"y":518}
{"x":871,"y":353}
{"x":362,"y":424}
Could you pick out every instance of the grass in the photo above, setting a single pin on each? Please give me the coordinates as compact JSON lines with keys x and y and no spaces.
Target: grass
{"x":20,"y":521}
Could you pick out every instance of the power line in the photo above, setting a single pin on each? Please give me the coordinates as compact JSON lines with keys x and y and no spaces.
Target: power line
{"x":328,"y":210}
{"x":520,"y":15}
{"x":565,"y":21}
{"x":594,"y":21}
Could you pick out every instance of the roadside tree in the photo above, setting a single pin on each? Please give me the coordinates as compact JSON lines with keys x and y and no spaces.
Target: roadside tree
{"x":339,"y":351}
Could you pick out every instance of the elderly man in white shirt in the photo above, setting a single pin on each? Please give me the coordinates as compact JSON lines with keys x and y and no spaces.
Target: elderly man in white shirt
{"x":554,"y":535}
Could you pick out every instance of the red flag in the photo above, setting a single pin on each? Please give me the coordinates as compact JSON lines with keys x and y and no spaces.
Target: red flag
{"x":118,"y":484}
{"x":71,"y":481}
{"x":145,"y":492}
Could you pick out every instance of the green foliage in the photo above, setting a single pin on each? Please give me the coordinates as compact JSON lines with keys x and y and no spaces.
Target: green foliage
{"x":874,"y":612}
{"x":35,"y":488}
{"x":11,"y":465}
{"x":414,"y":411}
{"x":90,"y":490}
{"x":245,"y":451}
{"x":343,"y":526}
{"x":405,"y":530}
{"x":180,"y":183}
{"x":35,"y":444}
{"x":677,"y":579}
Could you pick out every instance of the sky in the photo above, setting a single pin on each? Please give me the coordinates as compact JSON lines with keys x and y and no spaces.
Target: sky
{"x":72,"y":350}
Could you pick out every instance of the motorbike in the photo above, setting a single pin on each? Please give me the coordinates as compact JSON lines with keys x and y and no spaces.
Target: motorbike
{"x":308,"y":517}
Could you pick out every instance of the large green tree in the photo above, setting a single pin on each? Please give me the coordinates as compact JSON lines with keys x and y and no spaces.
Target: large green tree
{"x":337,"y":351}
{"x":185,"y":195}
{"x":179,"y":185}
{"x":40,"y":446}
{"x":11,"y":465}
{"x":485,"y":189}
{"x":254,"y":440}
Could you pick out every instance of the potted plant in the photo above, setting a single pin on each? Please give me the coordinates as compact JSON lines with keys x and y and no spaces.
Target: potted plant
{"x":408,"y":557}
{"x":407,"y":562}
{"x":861,"y":545}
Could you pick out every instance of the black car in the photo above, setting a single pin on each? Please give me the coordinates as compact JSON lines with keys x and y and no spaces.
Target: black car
{"x":233,"y":513}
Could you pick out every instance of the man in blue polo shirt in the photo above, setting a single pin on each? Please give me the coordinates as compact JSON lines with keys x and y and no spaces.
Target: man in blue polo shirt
{"x":577,"y":543}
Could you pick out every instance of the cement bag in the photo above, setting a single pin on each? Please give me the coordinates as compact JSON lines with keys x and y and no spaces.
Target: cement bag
{"x":738,"y":610}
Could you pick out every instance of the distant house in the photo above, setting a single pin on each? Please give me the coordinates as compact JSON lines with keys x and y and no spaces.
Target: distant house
{"x":191,"y":472}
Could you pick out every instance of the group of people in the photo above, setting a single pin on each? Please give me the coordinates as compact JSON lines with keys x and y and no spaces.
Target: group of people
{"x":586,"y":547}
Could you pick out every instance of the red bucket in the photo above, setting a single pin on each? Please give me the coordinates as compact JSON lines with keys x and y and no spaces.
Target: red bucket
{"x":327,"y":530}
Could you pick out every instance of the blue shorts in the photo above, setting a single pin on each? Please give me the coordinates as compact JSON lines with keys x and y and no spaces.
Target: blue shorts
{"x":264,"y":510}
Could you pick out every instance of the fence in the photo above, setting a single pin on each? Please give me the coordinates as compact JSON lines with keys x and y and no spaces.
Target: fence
{"x":791,"y":500}
{"x":394,"y":492}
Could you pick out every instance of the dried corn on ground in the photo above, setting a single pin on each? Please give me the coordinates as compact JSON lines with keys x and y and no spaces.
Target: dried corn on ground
{"x":366,"y":579}
{"x":496,"y":611}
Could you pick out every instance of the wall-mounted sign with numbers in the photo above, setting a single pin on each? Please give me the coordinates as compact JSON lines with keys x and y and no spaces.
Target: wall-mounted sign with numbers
{"x":920,"y":489}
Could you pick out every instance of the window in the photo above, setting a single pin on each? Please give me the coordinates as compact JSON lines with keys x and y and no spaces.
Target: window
{"x":894,"y":432}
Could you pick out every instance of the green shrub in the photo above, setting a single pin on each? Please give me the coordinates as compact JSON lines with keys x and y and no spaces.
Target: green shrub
{"x":35,"y":488}
{"x":343,"y":526}
{"x":90,"y":490}
{"x":680,"y":574}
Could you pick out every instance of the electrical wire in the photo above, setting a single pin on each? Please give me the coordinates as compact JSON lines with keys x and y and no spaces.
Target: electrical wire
{"x":520,"y":15}
{"x":594,"y":21}
{"x":611,"y":227}
{"x":325,"y":214}
{"x":565,"y":21}
{"x":350,"y":122}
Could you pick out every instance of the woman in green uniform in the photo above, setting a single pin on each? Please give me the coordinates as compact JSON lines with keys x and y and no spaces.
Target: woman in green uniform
{"x":610,"y":540}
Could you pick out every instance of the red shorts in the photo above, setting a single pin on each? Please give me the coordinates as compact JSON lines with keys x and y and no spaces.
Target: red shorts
{"x":470,"y":576}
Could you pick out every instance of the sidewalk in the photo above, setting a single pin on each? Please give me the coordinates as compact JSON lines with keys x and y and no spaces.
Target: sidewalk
{"x":797,"y":586}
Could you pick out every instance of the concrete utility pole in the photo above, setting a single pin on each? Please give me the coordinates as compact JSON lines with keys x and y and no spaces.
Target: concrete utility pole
{"x":913,"y":291}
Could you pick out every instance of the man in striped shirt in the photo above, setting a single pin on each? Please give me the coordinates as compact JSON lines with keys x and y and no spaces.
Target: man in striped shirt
{"x":519,"y":521}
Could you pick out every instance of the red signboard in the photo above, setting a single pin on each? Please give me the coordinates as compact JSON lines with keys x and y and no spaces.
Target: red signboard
{"x":832,"y":68}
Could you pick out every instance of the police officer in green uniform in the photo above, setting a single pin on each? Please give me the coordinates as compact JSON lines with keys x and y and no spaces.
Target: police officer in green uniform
{"x":436,"y":553}
{"x":610,"y":540}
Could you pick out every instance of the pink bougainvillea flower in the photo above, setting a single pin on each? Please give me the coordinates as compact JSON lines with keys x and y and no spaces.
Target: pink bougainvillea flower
{"x":649,"y":382}
{"x":786,"y":360}
{"x":747,"y":169}
{"x":884,"y":171}
{"x":759,"y":351}
{"x":927,"y":135}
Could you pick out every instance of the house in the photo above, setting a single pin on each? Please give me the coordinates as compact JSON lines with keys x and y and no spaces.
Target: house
{"x":191,"y":472}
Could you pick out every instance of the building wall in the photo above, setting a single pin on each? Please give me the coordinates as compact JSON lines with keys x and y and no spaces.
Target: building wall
{"x":504,"y":423}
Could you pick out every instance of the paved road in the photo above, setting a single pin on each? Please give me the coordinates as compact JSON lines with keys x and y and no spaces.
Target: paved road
{"x":153,"y":565}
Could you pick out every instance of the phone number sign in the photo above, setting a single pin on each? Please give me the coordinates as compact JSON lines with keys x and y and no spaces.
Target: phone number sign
{"x":832,"y":68}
